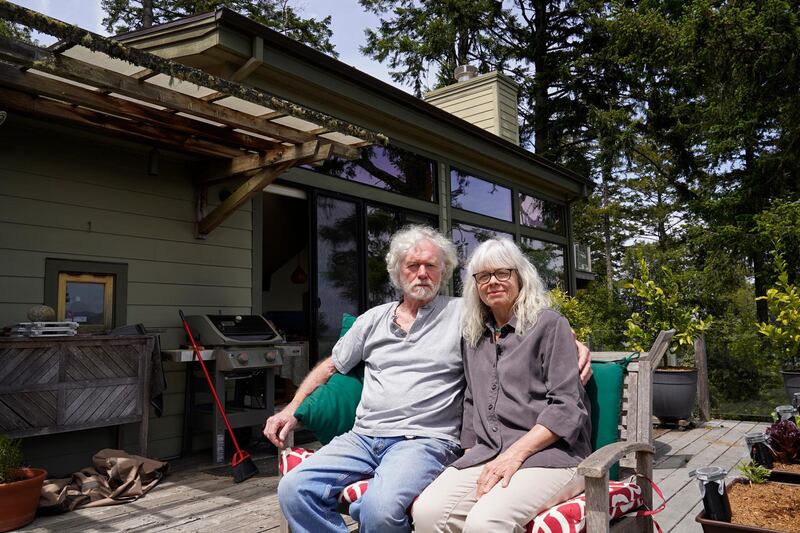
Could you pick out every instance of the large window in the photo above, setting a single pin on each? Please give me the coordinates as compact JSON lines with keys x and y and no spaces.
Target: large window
{"x":466,"y":238}
{"x":479,"y":196}
{"x":389,"y":168}
{"x":352,"y":240}
{"x":537,"y":213}
{"x":337,"y":271}
{"x":548,"y":258}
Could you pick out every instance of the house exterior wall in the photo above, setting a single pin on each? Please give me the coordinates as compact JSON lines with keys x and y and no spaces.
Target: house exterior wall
{"x":73,"y":195}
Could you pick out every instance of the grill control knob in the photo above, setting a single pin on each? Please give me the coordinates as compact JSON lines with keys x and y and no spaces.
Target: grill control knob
{"x":270,"y":355}
{"x":242,"y":358}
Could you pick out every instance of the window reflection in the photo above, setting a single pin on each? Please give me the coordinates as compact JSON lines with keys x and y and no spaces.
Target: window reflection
{"x":382,"y":223}
{"x":337,"y":273}
{"x":548,"y":258}
{"x":389,"y":168}
{"x":479,"y":196}
{"x":537,"y":213}
{"x":466,"y":238}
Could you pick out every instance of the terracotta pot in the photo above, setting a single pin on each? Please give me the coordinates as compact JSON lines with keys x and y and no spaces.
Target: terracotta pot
{"x":18,"y":500}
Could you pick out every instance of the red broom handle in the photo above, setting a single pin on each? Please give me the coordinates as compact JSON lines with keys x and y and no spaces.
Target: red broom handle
{"x":210,"y":382}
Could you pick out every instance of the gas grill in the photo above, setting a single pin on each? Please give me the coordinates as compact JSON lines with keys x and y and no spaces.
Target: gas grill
{"x":246,"y":350}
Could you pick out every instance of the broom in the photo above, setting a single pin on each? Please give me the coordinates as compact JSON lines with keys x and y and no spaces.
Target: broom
{"x":243,"y":466}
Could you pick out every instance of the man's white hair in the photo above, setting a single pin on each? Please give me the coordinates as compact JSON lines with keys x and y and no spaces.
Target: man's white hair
{"x":406,"y":239}
{"x":532,"y":298}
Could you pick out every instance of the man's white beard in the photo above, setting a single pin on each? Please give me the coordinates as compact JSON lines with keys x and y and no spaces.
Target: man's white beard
{"x":420,"y":292}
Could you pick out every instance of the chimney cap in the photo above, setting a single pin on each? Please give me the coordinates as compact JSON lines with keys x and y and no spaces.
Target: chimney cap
{"x":465,"y":73}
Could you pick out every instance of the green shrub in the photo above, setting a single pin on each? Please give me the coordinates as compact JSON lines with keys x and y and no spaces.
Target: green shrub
{"x":782,"y":333}
{"x":663,"y":309}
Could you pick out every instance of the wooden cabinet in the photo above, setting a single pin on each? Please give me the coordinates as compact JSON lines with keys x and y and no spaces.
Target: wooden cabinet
{"x":52,"y":385}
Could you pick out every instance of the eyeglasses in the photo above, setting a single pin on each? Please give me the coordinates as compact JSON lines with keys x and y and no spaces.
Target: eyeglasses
{"x":501,"y":274}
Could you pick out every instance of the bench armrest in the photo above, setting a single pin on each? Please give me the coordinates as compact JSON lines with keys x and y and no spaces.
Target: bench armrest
{"x":598,"y":464}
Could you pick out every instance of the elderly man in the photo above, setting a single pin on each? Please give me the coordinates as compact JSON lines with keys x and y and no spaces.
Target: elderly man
{"x":407,"y":424}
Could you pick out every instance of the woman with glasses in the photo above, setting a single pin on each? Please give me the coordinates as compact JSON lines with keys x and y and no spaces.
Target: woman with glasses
{"x":526,"y":425}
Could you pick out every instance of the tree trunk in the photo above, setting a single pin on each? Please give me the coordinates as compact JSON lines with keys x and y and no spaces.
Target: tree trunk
{"x":541,"y":140}
{"x":607,"y":233}
{"x":761,"y":277}
{"x":147,"y":13}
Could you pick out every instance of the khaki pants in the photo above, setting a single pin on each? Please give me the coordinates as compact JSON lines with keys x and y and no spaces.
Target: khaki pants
{"x":449,"y":503}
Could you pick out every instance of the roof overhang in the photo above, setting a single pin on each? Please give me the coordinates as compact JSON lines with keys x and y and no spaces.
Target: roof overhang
{"x":233,"y":46}
{"x":94,"y":82}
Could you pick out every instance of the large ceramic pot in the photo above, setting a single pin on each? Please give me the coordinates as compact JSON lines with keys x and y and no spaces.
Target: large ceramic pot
{"x":791,"y":381}
{"x":674,"y":393}
{"x":18,"y":500}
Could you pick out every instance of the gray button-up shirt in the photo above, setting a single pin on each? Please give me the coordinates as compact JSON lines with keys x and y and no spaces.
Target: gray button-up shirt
{"x":516,"y":382}
{"x":413,"y":381}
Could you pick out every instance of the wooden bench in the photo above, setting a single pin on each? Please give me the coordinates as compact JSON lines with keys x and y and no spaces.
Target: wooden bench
{"x":635,"y":448}
{"x":634,"y":451}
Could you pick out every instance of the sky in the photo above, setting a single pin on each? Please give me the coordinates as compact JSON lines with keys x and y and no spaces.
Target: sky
{"x":348,"y":24}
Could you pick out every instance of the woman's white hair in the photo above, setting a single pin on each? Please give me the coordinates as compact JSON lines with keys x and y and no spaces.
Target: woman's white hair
{"x":407,"y":238}
{"x":532,"y":298}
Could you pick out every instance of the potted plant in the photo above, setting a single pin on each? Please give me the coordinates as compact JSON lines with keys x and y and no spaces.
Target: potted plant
{"x":674,"y":386}
{"x":782,"y":333}
{"x":783,"y":438}
{"x":19,"y":487}
{"x":757,"y":504}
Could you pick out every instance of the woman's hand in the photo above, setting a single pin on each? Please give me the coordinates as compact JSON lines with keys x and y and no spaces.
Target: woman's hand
{"x":499,"y":469}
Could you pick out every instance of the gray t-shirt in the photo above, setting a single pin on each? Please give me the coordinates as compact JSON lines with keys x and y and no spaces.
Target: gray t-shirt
{"x":413,"y":383}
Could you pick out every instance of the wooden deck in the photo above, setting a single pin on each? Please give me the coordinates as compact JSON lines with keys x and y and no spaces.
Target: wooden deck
{"x":207,"y":500}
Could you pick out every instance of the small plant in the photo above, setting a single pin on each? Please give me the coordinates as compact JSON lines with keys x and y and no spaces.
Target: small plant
{"x":783,"y":332}
{"x":784,"y":439}
{"x":10,"y":460}
{"x":755,"y":473}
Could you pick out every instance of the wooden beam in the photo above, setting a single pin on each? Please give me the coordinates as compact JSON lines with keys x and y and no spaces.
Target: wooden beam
{"x":144,"y":74}
{"x":40,"y":85}
{"x":75,"y":70}
{"x":119,"y":126}
{"x":245,"y":192}
{"x":117,"y":50}
{"x":273,"y":114}
{"x":346,"y":152}
{"x":246,"y":163}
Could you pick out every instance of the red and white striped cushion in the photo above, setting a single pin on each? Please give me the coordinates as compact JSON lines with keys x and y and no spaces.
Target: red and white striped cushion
{"x":570,"y":516}
{"x":566,"y":517}
{"x":291,"y":457}
{"x":353,"y":491}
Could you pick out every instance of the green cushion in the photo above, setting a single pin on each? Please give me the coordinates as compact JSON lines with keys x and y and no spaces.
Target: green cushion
{"x":331,"y":409}
{"x":605,"y":398}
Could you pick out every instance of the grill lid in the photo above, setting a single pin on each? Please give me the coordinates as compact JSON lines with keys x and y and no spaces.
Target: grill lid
{"x":227,"y":330}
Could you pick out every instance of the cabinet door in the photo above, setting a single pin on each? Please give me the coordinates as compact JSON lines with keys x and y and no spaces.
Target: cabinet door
{"x":28,"y":387}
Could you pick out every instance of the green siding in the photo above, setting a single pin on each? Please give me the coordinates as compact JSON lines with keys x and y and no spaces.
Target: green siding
{"x":69,"y":194}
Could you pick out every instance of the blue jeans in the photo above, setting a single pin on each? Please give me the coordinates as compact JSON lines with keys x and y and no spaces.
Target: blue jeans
{"x":400,"y":469}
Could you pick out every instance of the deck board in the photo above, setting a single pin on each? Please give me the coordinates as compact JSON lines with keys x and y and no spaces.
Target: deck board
{"x":203,"y":500}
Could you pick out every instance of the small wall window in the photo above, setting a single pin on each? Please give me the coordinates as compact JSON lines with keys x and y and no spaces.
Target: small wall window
{"x":87,"y":299}
{"x":479,"y":196}
{"x":93,"y":294}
